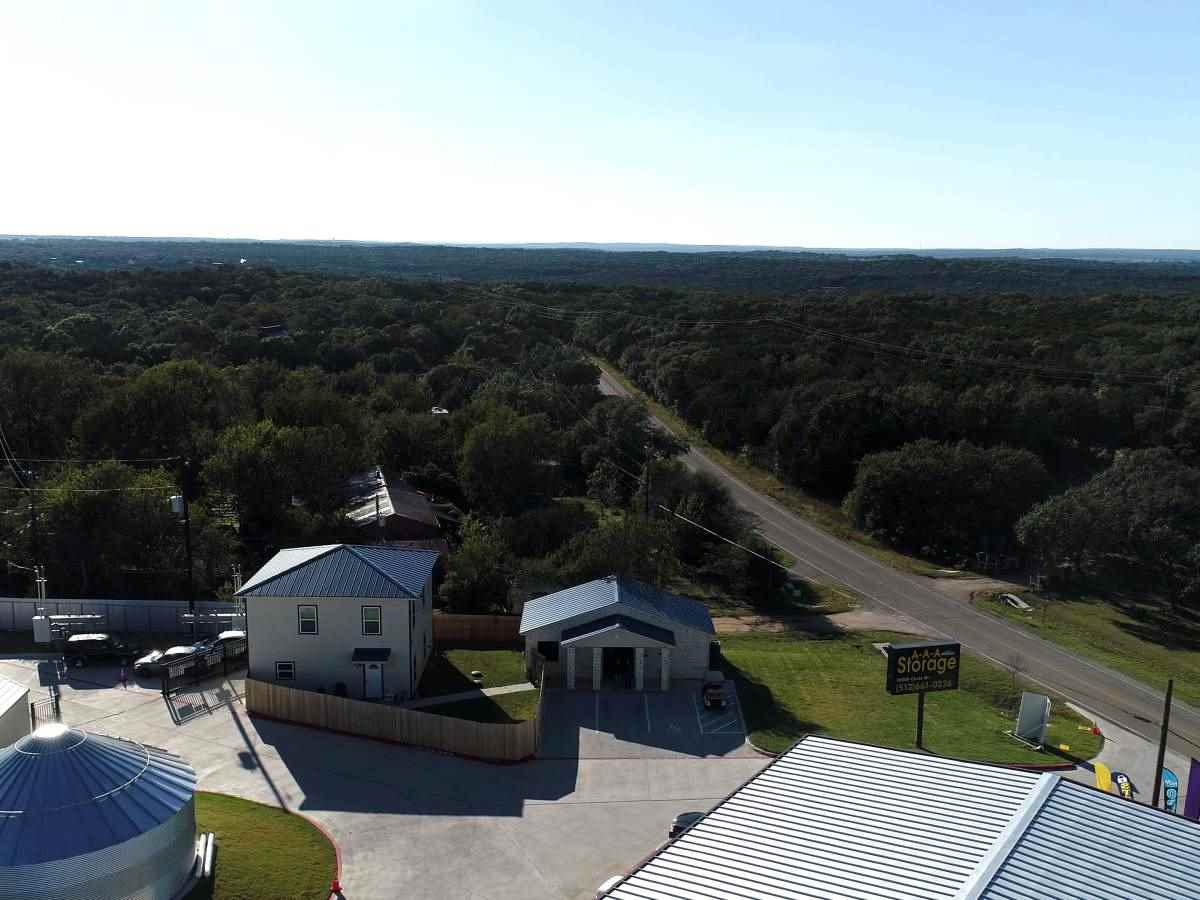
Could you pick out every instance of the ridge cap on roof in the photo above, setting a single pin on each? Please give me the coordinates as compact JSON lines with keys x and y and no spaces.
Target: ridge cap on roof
{"x":354,"y":548}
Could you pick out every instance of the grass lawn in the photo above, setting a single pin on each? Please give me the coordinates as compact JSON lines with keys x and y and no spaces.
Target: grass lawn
{"x":825,"y":515}
{"x":791,"y":685}
{"x":801,"y":598}
{"x":507,"y":709}
{"x":449,"y":671}
{"x":1142,"y":640}
{"x":263,"y":853}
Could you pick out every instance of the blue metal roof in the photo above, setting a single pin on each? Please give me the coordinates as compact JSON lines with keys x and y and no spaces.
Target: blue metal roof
{"x":613,"y":591}
{"x":611,"y":623}
{"x":1085,"y":843}
{"x":65,"y":792}
{"x":343,"y":570}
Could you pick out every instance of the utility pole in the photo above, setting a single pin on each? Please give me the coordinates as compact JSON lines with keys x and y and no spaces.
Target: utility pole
{"x":186,"y":486}
{"x":1162,"y":743}
{"x":33,"y":516}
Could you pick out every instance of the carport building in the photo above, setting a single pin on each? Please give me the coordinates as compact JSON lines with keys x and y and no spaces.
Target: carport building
{"x":617,"y":632}
{"x":838,"y":820}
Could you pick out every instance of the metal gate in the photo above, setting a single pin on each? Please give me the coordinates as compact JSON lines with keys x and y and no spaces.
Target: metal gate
{"x":43,"y":712}
{"x":208,"y":663}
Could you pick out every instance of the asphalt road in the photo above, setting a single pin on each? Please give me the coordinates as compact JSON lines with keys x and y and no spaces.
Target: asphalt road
{"x":1112,"y":695}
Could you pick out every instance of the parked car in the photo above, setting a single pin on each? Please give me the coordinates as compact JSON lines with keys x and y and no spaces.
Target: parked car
{"x":609,"y":884}
{"x":682,"y":823}
{"x":220,"y":640}
{"x":155,"y":662}
{"x":713,"y":690}
{"x":80,"y":649}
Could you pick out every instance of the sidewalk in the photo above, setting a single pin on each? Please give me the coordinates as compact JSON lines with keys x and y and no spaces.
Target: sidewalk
{"x":469,"y":695}
{"x":1132,"y":754}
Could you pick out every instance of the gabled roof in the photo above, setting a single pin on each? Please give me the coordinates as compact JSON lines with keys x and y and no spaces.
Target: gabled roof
{"x":372,"y":493}
{"x":611,"y":624}
{"x":604,"y":593}
{"x":841,"y":821}
{"x":343,"y":570}
{"x":1084,"y":843}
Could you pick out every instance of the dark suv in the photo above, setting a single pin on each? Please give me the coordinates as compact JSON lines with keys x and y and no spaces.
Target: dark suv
{"x":81,"y":649}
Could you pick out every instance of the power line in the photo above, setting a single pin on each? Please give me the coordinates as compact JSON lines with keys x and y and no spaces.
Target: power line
{"x":60,"y":490}
{"x":96,"y":459}
{"x":723,"y":538}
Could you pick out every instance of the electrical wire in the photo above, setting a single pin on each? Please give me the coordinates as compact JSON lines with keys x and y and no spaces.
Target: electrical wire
{"x":723,"y":538}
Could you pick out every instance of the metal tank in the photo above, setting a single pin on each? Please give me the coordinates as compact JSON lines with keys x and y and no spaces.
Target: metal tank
{"x":89,"y":817}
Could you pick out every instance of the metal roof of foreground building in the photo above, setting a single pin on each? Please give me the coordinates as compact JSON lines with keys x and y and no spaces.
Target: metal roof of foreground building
{"x":611,"y":592}
{"x":830,"y":819}
{"x":343,"y":570}
{"x":66,"y":792}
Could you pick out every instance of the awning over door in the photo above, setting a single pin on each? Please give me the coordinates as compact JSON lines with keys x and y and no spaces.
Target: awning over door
{"x":371,"y":654}
{"x":617,"y":631}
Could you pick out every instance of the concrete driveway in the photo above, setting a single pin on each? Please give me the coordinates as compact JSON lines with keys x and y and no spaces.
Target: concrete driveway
{"x":641,"y":724}
{"x":418,"y":824}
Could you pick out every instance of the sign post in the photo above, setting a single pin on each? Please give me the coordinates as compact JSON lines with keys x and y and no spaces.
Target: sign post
{"x":921,"y":667}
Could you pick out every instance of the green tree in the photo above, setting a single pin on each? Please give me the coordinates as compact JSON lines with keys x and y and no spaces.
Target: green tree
{"x":504,"y":462}
{"x":478,"y":573}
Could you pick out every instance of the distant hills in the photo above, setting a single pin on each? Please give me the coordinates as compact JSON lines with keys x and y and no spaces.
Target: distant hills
{"x":760,"y":271}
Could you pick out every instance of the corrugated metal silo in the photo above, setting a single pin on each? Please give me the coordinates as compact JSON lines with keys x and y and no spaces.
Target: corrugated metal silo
{"x":89,"y":817}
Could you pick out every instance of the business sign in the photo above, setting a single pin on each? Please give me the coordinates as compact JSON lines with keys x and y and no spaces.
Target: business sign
{"x":923,"y":666}
{"x":1124,"y":785}
{"x":1191,"y":803}
{"x":1033,"y":718}
{"x":1170,"y":790}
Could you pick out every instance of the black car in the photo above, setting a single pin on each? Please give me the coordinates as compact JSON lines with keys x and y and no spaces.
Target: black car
{"x":81,"y":649}
{"x":682,"y":823}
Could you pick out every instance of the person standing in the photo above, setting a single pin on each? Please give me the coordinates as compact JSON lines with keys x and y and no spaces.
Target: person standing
{"x":124,"y":677}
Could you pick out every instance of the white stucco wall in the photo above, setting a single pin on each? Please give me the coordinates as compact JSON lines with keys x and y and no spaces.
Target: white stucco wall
{"x":689,"y":656}
{"x":323,"y":659}
{"x":14,"y":713}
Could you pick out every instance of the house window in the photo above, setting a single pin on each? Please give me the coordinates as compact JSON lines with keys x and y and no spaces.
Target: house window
{"x":372,"y":621}
{"x":285,"y":671}
{"x":308,"y":619}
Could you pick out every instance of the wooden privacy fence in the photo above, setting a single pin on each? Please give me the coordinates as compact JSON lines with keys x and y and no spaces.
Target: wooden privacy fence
{"x":450,"y":628}
{"x":503,"y":743}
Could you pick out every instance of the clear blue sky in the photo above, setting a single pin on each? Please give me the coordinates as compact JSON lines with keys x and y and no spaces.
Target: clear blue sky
{"x":840,"y":124}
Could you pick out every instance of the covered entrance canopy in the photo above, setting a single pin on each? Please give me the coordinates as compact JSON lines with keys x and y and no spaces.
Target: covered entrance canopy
{"x":617,"y":632}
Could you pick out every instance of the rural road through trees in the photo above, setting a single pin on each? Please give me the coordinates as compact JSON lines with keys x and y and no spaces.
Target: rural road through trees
{"x":1129,"y":703}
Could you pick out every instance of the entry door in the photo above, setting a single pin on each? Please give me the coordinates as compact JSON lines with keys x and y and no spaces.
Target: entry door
{"x":373,"y":689}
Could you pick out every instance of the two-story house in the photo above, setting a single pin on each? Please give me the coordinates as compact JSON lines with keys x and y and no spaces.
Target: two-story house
{"x":342,"y":617}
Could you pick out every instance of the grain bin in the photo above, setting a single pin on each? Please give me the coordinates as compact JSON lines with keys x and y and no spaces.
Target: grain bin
{"x":89,"y":817}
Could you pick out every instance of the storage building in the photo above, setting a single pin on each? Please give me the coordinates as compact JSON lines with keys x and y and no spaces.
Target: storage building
{"x":84,"y":816}
{"x":14,"y":711}
{"x":617,"y":632}
{"x":841,"y":821}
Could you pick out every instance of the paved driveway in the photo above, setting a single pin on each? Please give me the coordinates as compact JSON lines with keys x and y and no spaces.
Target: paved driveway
{"x":417,"y":824}
{"x":612,"y":724}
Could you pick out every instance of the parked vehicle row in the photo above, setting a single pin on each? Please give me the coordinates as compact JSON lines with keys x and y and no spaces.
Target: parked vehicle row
{"x":80,"y":650}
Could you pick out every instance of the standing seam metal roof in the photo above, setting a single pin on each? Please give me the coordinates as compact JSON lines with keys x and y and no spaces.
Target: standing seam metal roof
{"x":831,"y":819}
{"x":1084,"y":843}
{"x":612,"y":591}
{"x":343,"y":570}
{"x":66,"y":792}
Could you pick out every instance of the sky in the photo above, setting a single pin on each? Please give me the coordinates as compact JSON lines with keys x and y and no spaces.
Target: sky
{"x":841,"y":124}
